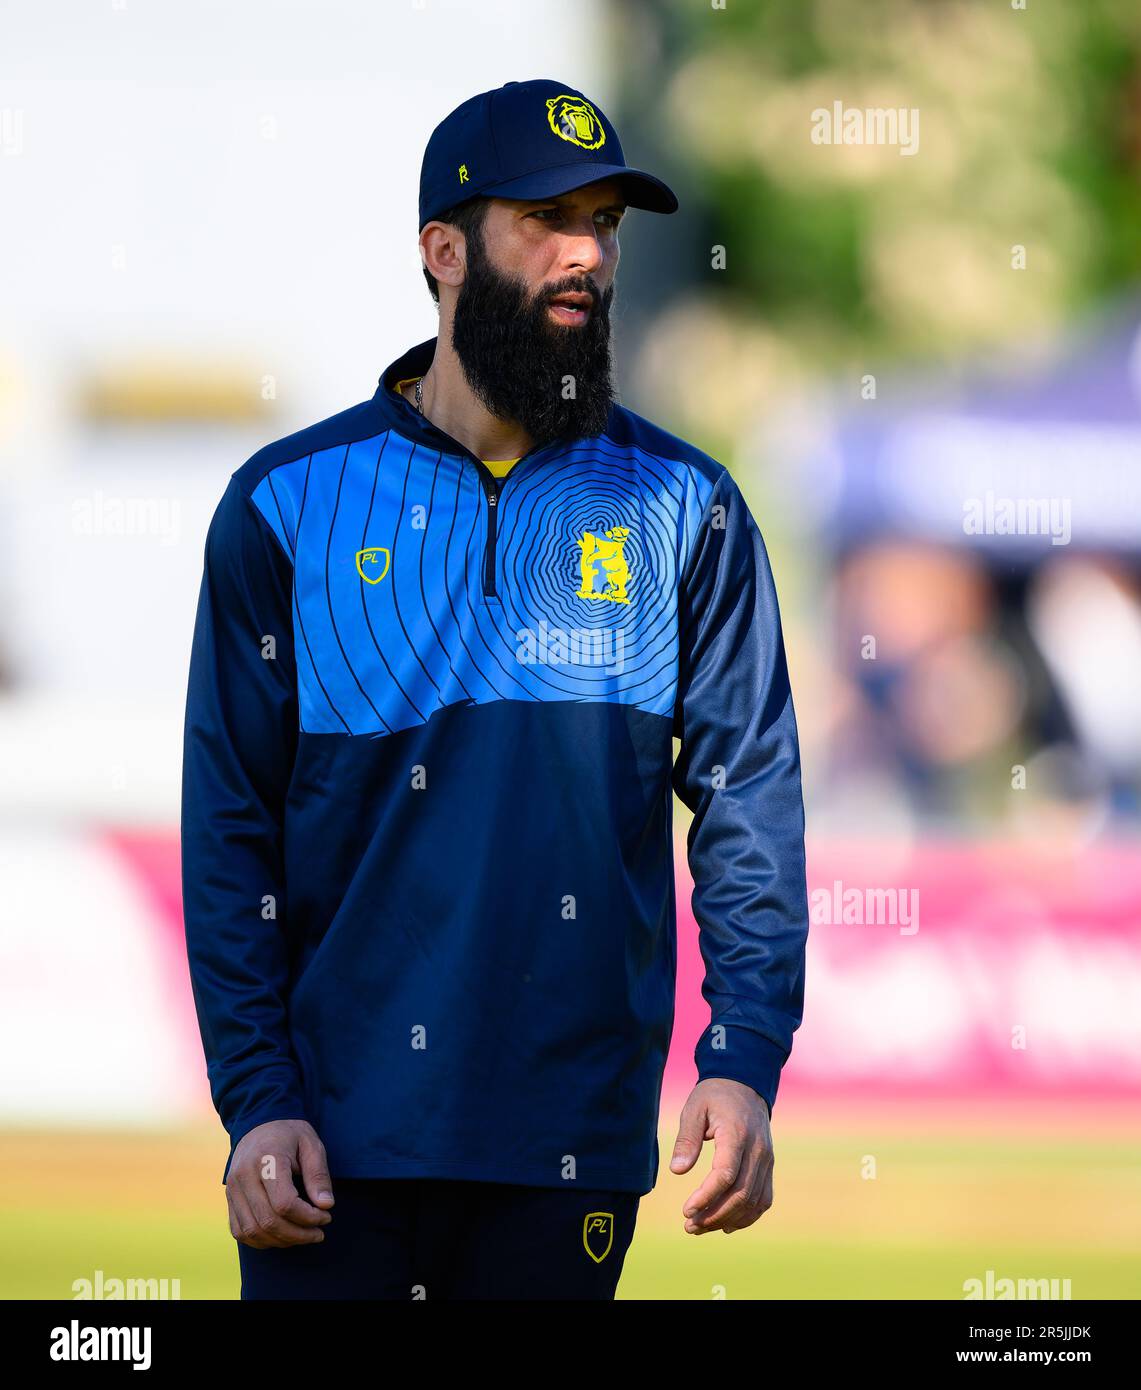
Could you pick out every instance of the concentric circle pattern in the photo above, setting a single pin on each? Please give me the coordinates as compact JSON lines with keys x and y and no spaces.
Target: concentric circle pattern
{"x":391,"y":545}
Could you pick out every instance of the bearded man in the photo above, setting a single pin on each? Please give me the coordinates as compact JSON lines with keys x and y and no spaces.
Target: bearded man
{"x":427,"y":876}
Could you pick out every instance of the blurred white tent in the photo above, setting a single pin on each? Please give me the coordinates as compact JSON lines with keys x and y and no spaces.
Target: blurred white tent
{"x":209,"y":242}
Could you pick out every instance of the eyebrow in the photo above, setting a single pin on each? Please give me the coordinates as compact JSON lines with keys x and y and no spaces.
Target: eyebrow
{"x":561,"y":200}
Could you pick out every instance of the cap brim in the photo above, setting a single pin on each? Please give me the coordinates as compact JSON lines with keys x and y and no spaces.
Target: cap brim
{"x":641,"y":190}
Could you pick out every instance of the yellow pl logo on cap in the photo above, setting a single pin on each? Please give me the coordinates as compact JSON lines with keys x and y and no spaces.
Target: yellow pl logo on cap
{"x":598,"y":1234}
{"x":574,"y":119}
{"x":371,"y":558}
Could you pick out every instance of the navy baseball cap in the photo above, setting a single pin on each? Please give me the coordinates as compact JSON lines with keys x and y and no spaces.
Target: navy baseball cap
{"x":528,"y":140}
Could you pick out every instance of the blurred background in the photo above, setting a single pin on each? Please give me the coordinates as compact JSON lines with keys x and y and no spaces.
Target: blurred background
{"x":902,"y":301}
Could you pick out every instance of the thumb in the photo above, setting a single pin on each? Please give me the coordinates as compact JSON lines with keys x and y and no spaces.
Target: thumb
{"x":315,"y":1170}
{"x":690,"y":1137}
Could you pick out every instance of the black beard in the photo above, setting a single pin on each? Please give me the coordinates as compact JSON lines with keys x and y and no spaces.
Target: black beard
{"x":516,"y":359}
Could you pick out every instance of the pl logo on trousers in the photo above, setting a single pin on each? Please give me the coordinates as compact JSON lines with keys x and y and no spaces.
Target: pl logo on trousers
{"x":598,"y":1234}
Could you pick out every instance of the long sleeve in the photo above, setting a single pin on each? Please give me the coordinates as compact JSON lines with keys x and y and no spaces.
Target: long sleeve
{"x":738,"y":771}
{"x":240,"y":740}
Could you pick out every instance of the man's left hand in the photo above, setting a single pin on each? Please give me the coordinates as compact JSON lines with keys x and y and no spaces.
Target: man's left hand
{"x":739,"y":1188}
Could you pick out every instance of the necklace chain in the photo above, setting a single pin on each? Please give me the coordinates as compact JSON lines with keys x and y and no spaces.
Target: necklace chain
{"x":420,"y":394}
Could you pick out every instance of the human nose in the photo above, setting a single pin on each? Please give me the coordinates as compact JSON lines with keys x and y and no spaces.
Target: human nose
{"x":583,"y":253}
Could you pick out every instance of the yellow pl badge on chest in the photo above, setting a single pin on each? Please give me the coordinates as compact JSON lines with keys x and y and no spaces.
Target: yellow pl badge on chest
{"x":372,"y":565}
{"x":603,"y":568}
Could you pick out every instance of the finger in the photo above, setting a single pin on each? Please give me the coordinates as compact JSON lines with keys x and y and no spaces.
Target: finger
{"x":235,"y":1229}
{"x":691,"y":1132}
{"x":755,"y":1207}
{"x":736,"y":1207}
{"x":728,"y":1156}
{"x":284,"y":1198}
{"x":315,"y":1179}
{"x":243,"y":1218}
{"x":730,"y":1210}
{"x":767,"y":1192}
{"x":274,"y":1229}
{"x":730,"y":1221}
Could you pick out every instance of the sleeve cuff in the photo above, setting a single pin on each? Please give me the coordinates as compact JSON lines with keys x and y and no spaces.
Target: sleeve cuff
{"x":745,"y":1056}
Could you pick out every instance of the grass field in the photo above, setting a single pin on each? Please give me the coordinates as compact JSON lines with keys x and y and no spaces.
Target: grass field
{"x":1037,"y":1194}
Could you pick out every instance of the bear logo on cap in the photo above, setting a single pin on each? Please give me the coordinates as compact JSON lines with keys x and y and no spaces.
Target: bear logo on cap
{"x":574,"y":119}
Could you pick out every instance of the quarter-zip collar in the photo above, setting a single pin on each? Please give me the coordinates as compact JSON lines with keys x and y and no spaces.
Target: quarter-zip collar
{"x":403,"y":414}
{"x":407,"y":419}
{"x":410,"y":423}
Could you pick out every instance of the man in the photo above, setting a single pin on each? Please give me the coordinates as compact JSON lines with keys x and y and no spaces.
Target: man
{"x":444,"y":642}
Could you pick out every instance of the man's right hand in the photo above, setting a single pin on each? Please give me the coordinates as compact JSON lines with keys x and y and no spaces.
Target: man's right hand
{"x":265,"y":1208}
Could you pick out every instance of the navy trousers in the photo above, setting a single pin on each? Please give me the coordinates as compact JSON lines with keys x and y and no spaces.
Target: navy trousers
{"x":411,"y":1238}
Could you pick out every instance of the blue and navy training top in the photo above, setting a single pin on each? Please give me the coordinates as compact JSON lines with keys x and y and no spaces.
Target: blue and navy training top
{"x":426,"y":813}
